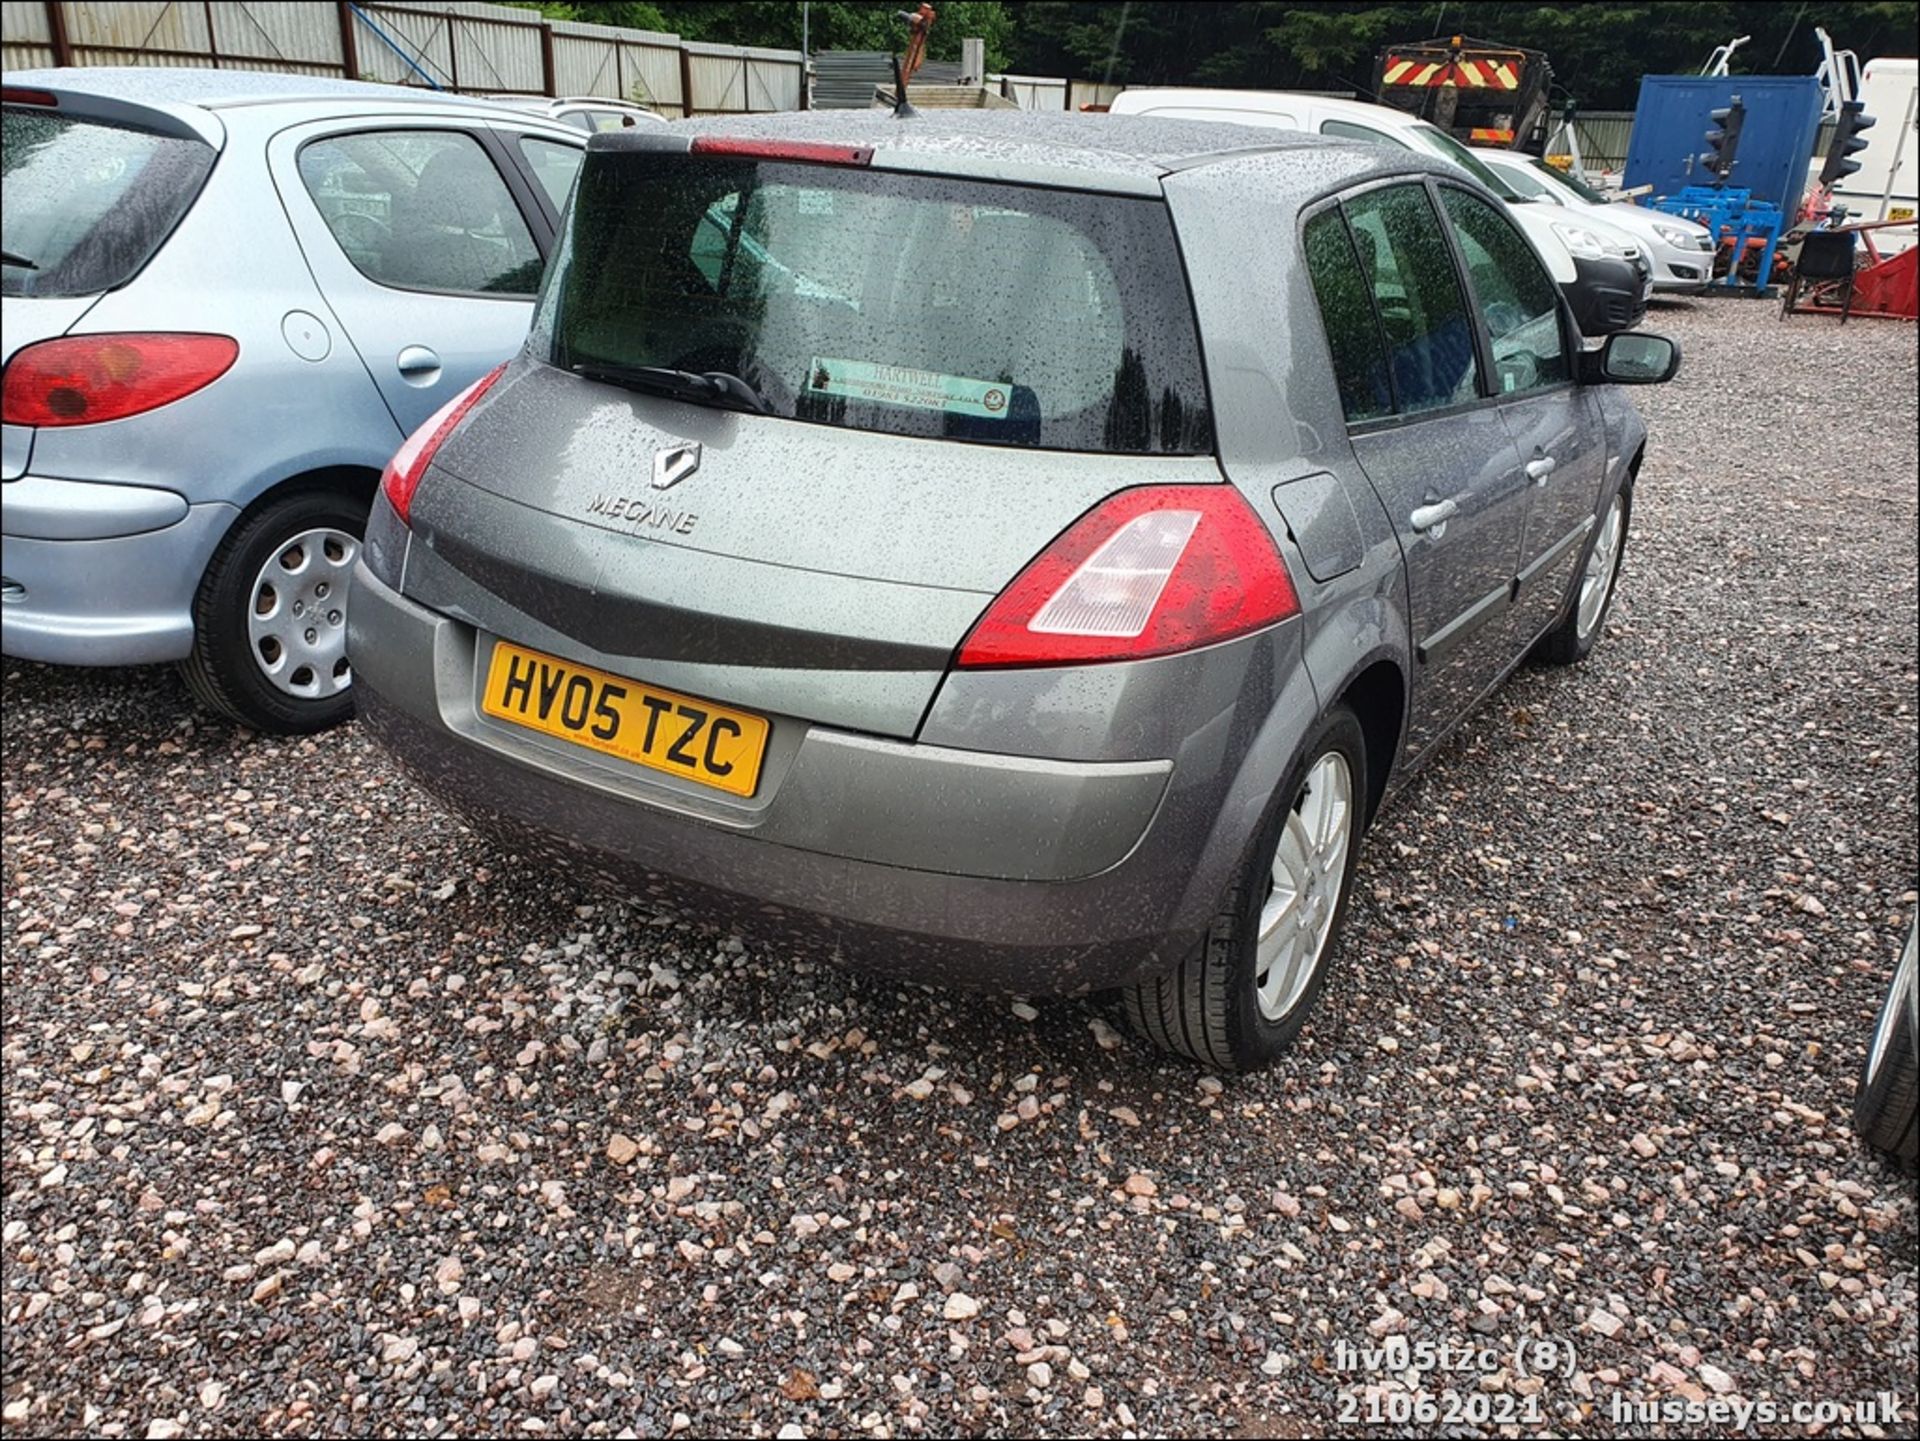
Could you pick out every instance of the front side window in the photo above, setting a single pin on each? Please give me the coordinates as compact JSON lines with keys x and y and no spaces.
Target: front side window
{"x":1346,"y":310}
{"x":1517,"y":297}
{"x":422,"y":210}
{"x":1447,"y":148}
{"x":1568,"y":180}
{"x":1416,"y":293}
{"x":1525,"y":183}
{"x":554,"y":164}
{"x":87,"y":203}
{"x":1347,"y":130}
{"x":916,"y":305}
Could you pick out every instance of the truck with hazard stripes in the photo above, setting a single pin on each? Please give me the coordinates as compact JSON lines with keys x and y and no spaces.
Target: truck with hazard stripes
{"x":1480,"y":92}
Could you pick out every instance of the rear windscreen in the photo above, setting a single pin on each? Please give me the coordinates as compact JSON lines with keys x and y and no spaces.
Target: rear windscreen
{"x":912,"y":304}
{"x":86,"y":203}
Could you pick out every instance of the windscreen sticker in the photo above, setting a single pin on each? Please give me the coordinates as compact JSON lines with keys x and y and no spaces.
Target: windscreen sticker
{"x":897,"y":385}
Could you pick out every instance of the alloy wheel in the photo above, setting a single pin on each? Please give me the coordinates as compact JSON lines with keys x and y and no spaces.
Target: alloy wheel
{"x":1596,"y":583}
{"x":1304,"y":894}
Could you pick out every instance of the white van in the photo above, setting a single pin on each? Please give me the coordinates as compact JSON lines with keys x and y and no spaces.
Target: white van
{"x":1883,"y":187}
{"x":1603,"y":272}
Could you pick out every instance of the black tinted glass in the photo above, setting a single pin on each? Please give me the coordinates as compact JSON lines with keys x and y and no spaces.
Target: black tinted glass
{"x":1346,"y":309}
{"x":1416,"y":292}
{"x":916,"y":305}
{"x":87,"y":204}
{"x":422,"y":210}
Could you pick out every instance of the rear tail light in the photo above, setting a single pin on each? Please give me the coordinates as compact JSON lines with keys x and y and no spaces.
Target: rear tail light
{"x":807,"y":150}
{"x":86,"y":379}
{"x":1146,"y":572}
{"x":17,"y":95}
{"x":401,"y":478}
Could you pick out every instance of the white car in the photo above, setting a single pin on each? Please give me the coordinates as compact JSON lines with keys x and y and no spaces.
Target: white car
{"x":1682,"y":252}
{"x":584,"y":112}
{"x":1603,"y":272}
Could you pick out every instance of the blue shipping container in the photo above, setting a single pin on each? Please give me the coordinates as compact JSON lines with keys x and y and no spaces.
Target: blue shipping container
{"x":1674,"y":113}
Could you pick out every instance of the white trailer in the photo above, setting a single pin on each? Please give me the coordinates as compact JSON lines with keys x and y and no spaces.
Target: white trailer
{"x":1883,"y":188}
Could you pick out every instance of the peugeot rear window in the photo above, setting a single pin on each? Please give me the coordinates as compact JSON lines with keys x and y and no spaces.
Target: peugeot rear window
{"x":912,"y":304}
{"x":87,"y":203}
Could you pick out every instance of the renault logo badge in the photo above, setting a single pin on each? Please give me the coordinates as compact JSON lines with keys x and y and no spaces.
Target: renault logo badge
{"x":674,"y":463}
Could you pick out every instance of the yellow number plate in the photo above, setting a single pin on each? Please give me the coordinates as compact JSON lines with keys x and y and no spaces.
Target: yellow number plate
{"x":619,"y":717}
{"x":1900,"y":212}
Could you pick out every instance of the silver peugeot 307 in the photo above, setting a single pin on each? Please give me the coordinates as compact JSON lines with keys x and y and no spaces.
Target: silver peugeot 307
{"x":1027,"y":549}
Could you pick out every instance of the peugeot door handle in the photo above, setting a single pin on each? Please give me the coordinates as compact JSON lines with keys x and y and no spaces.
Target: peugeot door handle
{"x":417,"y":365}
{"x":1539,"y":468}
{"x":1432,"y":519}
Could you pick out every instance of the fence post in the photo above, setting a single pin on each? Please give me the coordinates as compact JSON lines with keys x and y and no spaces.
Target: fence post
{"x":349,"y":51}
{"x":213,"y":41}
{"x":548,"y":81}
{"x":57,"y":31}
{"x":686,"y":81}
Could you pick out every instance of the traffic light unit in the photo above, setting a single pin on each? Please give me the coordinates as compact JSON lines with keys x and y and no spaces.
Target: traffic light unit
{"x":1723,"y":140}
{"x":1847,"y":142}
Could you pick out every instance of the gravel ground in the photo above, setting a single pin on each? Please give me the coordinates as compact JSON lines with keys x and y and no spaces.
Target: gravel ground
{"x":322,"y":1117}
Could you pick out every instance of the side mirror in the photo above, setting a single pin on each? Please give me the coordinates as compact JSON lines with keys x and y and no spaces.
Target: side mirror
{"x":1632,"y":358}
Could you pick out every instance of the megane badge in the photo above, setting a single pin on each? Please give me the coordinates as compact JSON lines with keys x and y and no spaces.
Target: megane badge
{"x":674,"y":463}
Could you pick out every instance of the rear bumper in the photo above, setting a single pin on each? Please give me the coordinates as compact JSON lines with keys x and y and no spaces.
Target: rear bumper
{"x":101,"y":574}
{"x":946,"y":865}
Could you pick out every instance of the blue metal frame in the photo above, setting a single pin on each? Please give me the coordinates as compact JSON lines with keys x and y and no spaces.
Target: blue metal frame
{"x":1731,"y":211}
{"x":386,"y":39}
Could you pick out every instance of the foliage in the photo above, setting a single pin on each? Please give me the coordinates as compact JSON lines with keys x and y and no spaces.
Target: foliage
{"x":1599,"y":51}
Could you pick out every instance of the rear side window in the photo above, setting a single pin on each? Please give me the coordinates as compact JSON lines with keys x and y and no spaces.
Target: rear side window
{"x":1417,"y":295}
{"x":916,"y":305}
{"x":422,"y":210}
{"x":554,"y":164}
{"x":1346,"y":307}
{"x":1517,"y":297}
{"x":87,"y":204}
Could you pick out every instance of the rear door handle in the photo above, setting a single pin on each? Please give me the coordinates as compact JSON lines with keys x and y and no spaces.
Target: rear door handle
{"x":1539,"y":468}
{"x":1432,"y":519}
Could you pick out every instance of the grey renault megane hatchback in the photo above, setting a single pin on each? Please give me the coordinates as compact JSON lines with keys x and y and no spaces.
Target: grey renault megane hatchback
{"x":1027,"y":550}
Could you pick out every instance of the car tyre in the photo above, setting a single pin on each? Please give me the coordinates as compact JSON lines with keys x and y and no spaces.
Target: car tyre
{"x":1886,"y":1105}
{"x":306,"y":542}
{"x":1210,"y":1007}
{"x":1580,"y":628}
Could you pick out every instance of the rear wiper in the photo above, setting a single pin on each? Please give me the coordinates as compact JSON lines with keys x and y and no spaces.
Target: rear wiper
{"x":19,"y":262}
{"x":712,"y":387}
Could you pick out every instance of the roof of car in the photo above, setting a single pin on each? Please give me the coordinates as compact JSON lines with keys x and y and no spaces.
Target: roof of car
{"x":1259,"y":102}
{"x":1135,"y":147}
{"x":218,"y":89}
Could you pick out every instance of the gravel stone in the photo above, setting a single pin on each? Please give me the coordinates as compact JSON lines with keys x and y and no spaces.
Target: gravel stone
{"x":245,"y":979}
